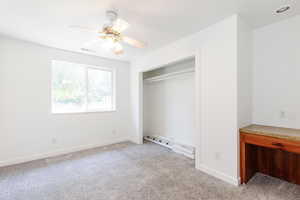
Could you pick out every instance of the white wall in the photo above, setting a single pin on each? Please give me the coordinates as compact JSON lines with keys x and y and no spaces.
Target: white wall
{"x":169,"y":108}
{"x":216,"y":94}
{"x":219,"y":128}
{"x":277,"y":74}
{"x":245,"y":73}
{"x":27,"y":128}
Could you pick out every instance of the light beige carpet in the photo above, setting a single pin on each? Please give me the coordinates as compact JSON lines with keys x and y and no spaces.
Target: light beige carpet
{"x":131,"y":172}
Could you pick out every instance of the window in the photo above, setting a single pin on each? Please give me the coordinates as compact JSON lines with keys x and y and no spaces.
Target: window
{"x":81,"y":88}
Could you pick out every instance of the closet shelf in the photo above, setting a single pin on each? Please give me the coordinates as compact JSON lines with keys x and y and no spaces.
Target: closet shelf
{"x":169,"y":75}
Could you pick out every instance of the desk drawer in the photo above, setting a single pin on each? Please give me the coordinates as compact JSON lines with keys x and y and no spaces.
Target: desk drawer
{"x":271,"y":142}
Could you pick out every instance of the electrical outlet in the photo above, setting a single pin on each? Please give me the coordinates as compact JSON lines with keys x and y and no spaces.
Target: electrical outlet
{"x":287,"y":115}
{"x":217,"y":155}
{"x":282,"y":114}
{"x":54,"y":141}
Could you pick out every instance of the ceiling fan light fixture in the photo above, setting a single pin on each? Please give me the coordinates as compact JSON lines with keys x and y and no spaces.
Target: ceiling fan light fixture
{"x":109,"y":43}
{"x":118,"y":49}
{"x":118,"y":46}
{"x":120,"y":25}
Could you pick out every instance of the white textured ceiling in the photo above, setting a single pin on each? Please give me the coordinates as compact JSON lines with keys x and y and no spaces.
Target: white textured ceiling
{"x":157,"y":22}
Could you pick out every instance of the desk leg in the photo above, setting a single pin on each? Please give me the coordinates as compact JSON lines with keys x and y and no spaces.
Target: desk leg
{"x":242,"y":160}
{"x":248,"y":161}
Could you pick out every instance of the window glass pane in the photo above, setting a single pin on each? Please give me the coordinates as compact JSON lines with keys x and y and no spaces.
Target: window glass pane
{"x":100,"y":89}
{"x":68,"y":87}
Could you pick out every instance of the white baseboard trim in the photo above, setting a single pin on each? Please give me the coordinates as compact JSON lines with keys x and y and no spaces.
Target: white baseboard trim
{"x":57,"y":153}
{"x":219,"y":175}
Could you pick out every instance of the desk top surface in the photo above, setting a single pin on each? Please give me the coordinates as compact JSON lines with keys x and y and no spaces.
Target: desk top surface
{"x":284,"y":133}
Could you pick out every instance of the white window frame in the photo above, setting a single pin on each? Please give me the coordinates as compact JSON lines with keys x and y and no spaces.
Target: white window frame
{"x":86,"y":67}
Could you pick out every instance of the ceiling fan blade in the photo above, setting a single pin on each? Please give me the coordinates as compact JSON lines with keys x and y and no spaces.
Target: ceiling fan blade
{"x":92,"y":42}
{"x":133,"y":42}
{"x":84,"y":28}
{"x":120,"y":25}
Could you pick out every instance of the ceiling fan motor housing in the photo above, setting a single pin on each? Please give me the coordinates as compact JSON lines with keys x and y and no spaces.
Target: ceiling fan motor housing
{"x":111,"y":15}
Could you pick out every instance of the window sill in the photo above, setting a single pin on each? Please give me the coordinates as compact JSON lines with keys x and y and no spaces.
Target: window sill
{"x":84,"y":112}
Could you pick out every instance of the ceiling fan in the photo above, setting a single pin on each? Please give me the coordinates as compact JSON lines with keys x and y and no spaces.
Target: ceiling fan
{"x":111,"y":34}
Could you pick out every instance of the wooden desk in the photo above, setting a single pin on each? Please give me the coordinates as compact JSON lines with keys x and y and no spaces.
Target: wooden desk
{"x":270,"y":150}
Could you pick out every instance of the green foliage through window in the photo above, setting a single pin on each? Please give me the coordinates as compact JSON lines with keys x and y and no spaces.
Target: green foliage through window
{"x":80,"y":88}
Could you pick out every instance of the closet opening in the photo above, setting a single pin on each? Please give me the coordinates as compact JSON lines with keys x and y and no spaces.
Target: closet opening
{"x":169,"y":109}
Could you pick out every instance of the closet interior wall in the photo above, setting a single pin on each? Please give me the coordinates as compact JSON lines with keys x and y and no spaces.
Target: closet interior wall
{"x":169,"y":102}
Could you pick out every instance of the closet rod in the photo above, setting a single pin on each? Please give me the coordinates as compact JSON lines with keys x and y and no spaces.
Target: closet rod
{"x":169,"y":75}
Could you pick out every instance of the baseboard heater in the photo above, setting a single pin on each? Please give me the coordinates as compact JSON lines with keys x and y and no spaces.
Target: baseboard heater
{"x":159,"y":140}
{"x":185,"y":150}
